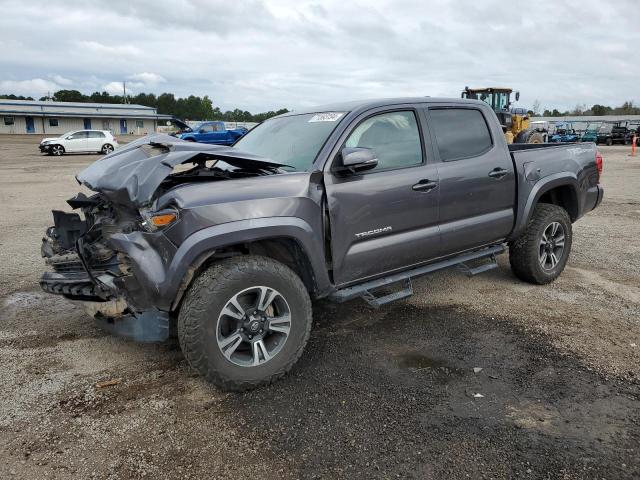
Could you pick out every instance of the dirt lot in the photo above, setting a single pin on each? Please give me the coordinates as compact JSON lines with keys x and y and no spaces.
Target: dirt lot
{"x":377,"y":394}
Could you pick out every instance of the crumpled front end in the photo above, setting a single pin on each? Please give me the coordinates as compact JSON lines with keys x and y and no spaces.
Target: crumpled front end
{"x":85,"y":267}
{"x":111,"y":255}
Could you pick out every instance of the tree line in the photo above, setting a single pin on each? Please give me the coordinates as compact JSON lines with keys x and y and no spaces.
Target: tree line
{"x":201,"y":108}
{"x":597,"y":110}
{"x":188,"y":108}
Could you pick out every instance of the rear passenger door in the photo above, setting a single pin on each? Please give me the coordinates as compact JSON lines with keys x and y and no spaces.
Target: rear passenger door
{"x":95,"y":141}
{"x":220,"y":134}
{"x":386,"y":218}
{"x":477,"y":179}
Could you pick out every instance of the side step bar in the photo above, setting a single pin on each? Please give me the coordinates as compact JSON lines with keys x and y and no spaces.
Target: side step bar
{"x":367,"y":290}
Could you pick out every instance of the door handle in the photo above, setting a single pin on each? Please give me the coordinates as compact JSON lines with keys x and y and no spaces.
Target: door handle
{"x":424,"y":185}
{"x":498,"y":172}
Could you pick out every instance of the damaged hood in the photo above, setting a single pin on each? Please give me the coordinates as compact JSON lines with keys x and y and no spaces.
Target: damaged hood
{"x":132,"y":174}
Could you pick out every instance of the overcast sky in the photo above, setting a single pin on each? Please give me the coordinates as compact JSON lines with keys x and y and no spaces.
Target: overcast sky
{"x":261,"y":56}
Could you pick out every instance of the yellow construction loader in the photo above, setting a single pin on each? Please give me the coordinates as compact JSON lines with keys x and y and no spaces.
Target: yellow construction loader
{"x":514,"y":120}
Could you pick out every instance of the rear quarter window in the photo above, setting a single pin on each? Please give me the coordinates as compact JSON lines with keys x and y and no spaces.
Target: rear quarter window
{"x":460,"y":133}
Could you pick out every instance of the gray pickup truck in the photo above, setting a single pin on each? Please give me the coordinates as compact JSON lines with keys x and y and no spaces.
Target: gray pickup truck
{"x":227,"y":246}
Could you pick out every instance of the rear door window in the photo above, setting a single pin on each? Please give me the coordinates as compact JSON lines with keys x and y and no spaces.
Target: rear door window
{"x":460,"y":133}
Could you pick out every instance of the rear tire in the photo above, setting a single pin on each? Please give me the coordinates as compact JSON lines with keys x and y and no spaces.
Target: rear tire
{"x":107,"y":148}
{"x":541,"y":253}
{"x":241,"y":348}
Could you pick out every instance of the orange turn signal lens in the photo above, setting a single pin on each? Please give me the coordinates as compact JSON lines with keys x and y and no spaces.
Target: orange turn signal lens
{"x":163,"y":219}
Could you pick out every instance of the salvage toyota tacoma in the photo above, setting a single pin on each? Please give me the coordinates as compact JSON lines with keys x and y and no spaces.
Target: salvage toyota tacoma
{"x":228,"y":246}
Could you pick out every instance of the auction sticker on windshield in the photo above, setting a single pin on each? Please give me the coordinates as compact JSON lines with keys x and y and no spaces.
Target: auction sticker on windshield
{"x":326,"y":117}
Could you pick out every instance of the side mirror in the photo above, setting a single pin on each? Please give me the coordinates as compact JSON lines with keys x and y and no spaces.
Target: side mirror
{"x":355,"y":160}
{"x":517,"y":96}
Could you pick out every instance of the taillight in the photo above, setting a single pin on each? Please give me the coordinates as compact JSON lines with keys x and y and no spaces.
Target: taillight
{"x":599,"y":163}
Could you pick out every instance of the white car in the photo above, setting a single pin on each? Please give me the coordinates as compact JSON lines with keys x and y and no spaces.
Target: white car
{"x":97,"y":141}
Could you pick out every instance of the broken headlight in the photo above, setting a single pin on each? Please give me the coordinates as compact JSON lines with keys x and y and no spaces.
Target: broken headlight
{"x":152,"y":221}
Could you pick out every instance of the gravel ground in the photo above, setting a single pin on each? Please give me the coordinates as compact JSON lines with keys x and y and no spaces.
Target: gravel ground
{"x":378,"y":393}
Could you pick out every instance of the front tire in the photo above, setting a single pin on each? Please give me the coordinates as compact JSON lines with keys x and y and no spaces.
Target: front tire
{"x":245,"y":322}
{"x":541,"y":253}
{"x":57,"y":150}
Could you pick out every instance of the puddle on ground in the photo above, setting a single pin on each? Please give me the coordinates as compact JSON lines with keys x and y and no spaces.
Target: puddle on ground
{"x":419,"y":363}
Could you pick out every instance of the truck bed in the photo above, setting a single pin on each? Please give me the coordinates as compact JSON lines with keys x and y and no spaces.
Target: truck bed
{"x":565,"y":164}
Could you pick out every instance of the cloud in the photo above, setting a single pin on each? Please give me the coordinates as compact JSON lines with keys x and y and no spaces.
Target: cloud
{"x":35,"y":87}
{"x":60,"y":80}
{"x":258,"y":55}
{"x":148,"y":78}
{"x":114,"y":88}
{"x":109,"y":50}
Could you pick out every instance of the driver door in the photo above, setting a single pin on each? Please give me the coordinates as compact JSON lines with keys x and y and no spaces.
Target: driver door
{"x":76,"y":142}
{"x":386,"y":218}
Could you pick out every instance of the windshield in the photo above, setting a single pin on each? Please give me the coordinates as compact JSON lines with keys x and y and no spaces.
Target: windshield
{"x":294,"y":140}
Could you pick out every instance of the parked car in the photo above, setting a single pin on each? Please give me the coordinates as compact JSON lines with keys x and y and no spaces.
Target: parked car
{"x":591,"y":132}
{"x":177,"y":126}
{"x":564,"y":133}
{"x":611,"y":133}
{"x":634,"y":130}
{"x":621,"y":134}
{"x":215,"y":133}
{"x":343,"y":202}
{"x":80,"y":141}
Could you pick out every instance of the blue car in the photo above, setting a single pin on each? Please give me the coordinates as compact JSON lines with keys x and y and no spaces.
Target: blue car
{"x":564,"y":133}
{"x":214,"y":133}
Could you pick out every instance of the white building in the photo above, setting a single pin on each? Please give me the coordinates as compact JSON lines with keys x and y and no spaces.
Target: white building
{"x":29,"y":116}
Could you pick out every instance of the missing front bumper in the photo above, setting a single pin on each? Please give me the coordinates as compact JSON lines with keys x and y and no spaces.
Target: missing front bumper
{"x":147,"y":327}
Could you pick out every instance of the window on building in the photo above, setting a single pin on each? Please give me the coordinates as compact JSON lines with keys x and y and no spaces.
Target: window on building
{"x":394,"y":137}
{"x":460,"y":133}
{"x":106,"y":125}
{"x":95,"y":134}
{"x":139,"y":123}
{"x":53,"y":122}
{"x":8,"y":120}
